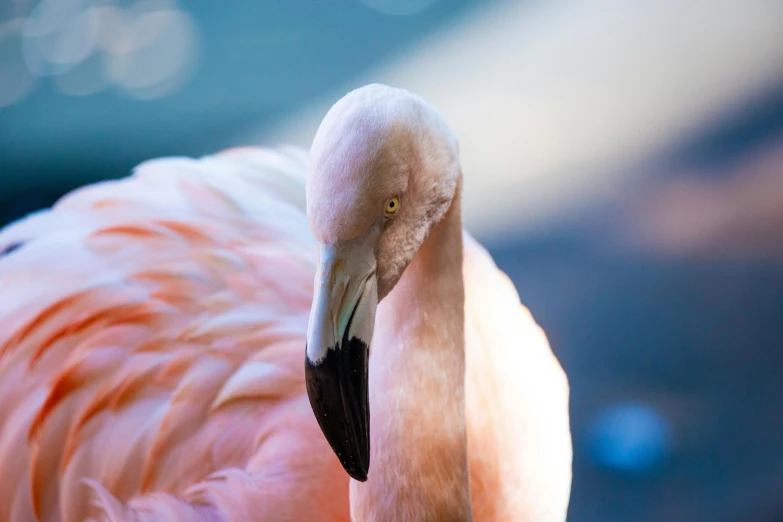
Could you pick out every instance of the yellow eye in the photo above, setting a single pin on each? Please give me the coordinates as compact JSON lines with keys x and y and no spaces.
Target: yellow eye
{"x":392,"y":205}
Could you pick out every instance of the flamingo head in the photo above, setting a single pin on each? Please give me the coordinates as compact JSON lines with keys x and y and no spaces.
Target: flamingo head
{"x":383,"y":169}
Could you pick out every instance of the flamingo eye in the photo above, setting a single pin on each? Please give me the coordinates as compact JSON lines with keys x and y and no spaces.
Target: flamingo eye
{"x":392,"y":206}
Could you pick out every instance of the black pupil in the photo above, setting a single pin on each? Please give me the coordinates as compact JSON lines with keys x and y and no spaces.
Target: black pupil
{"x":391,"y":204}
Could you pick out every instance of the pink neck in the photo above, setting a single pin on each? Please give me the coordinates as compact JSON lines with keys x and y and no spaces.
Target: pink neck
{"x":419,"y":466}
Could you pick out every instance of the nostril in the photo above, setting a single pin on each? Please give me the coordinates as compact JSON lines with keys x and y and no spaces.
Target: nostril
{"x":4,"y":251}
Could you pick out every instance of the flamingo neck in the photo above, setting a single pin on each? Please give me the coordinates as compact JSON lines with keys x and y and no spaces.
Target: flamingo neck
{"x":419,"y":466}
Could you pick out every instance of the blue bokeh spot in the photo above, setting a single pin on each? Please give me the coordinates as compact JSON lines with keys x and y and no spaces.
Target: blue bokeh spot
{"x":630,"y":438}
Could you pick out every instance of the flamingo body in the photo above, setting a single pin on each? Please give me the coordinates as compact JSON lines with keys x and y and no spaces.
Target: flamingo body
{"x":152,"y":334}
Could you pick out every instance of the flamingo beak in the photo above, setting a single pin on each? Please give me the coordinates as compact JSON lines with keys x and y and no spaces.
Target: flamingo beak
{"x":338,"y":349}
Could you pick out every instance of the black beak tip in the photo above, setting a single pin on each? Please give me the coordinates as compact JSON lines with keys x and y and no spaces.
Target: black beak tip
{"x":355,"y":464}
{"x":358,"y":474}
{"x":337,"y":389}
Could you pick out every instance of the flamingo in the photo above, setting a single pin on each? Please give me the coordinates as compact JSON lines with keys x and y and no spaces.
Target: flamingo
{"x":193,"y":342}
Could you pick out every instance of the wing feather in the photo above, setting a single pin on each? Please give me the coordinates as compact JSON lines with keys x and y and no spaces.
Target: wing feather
{"x":150,"y":333}
{"x":519,"y":439}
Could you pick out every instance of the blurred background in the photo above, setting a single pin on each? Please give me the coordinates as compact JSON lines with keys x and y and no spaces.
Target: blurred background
{"x":623,"y":162}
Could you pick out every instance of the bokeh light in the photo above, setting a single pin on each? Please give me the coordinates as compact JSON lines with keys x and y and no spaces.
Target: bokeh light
{"x":58,"y":35}
{"x":16,"y":81}
{"x":155,"y":52}
{"x":630,"y":438}
{"x":147,"y":49}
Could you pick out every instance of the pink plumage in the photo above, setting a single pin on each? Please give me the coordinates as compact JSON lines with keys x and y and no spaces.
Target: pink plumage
{"x":152,"y":336}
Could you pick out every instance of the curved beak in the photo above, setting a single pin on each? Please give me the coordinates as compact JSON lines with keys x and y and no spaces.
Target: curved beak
{"x":338,"y":349}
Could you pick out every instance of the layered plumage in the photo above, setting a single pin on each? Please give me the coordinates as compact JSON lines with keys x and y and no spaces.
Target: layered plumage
{"x":152,"y":336}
